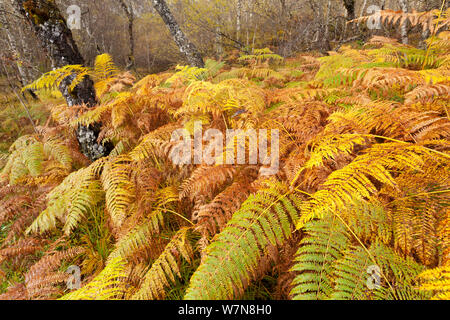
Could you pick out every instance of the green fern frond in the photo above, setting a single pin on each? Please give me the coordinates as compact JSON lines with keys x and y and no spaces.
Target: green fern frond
{"x":231,"y":261}
{"x":315,"y":260}
{"x":261,"y":55}
{"x":69,"y":202}
{"x":355,"y":281}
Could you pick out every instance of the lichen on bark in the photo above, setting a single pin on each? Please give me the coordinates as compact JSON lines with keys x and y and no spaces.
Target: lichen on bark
{"x":56,"y":39}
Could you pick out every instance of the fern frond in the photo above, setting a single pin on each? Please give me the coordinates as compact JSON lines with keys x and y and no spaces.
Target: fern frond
{"x":164,"y":269}
{"x":71,"y":201}
{"x":316,"y":258}
{"x":54,"y":78}
{"x":354,"y":180}
{"x":206,"y":181}
{"x":437,"y":281}
{"x":232,"y":260}
{"x":214,"y":216}
{"x":428,"y":93}
{"x":108,"y":285}
{"x":120,"y":191}
{"x":352,"y":275}
{"x":104,"y":67}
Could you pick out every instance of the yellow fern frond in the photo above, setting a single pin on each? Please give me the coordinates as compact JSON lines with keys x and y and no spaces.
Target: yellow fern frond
{"x":164,"y":269}
{"x":108,"y":285}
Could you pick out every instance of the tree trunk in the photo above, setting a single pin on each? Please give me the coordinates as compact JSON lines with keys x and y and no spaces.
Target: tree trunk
{"x":350,"y":7}
{"x":325,"y":45}
{"x":130,"y":16}
{"x":238,"y":19}
{"x":404,"y":26}
{"x":17,"y":56}
{"x":187,"y":48}
{"x":56,"y":38}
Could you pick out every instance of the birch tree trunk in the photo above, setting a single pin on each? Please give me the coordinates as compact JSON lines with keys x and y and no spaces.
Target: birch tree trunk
{"x":187,"y":48}
{"x":238,"y":19}
{"x":404,"y":26}
{"x":56,"y":39}
{"x":130,"y":16}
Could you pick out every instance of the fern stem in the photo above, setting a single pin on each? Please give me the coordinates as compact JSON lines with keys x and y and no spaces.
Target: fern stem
{"x":179,"y":215}
{"x":399,"y":141}
{"x":421,"y":194}
{"x":304,"y":192}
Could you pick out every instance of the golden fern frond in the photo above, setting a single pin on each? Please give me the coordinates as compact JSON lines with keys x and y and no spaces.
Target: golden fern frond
{"x":107,"y":285}
{"x":155,"y":144}
{"x":419,"y":212}
{"x":206,"y":181}
{"x":227,"y":97}
{"x":104,"y":67}
{"x":330,"y":146}
{"x":54,"y":78}
{"x":120,"y":191}
{"x":71,"y":201}
{"x":144,"y":236}
{"x":357,"y":179}
{"x":139,"y":237}
{"x":55,"y":149}
{"x":437,"y":281}
{"x":388,"y":120}
{"x":187,"y":74}
{"x":164,"y":269}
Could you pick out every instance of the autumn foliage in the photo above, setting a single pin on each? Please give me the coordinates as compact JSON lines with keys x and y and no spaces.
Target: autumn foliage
{"x":363,"y":181}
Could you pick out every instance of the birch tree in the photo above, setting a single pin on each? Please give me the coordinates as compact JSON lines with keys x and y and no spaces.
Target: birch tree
{"x":186,"y":47}
{"x":404,"y":26}
{"x":129,"y":12}
{"x":56,"y":39}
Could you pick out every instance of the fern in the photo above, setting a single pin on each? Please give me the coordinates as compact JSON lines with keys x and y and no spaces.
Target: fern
{"x":70,"y":202}
{"x":397,"y":278}
{"x":232,"y":260}
{"x":108,"y":285}
{"x":119,"y":190}
{"x":316,"y":258}
{"x":437,"y":281}
{"x":164,"y":269}
{"x":353,"y":181}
